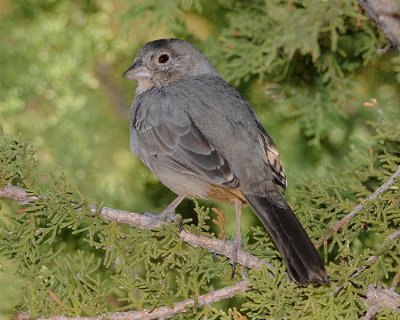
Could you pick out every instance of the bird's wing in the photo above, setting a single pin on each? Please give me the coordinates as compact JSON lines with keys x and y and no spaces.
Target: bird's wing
{"x":230,"y":114}
{"x":175,"y":140}
{"x":273,"y":158}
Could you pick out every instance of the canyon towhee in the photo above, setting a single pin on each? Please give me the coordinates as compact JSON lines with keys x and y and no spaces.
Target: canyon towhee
{"x":202,"y":139}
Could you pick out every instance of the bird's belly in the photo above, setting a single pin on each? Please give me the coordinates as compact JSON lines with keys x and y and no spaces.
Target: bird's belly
{"x":182,"y":183}
{"x":192,"y":187}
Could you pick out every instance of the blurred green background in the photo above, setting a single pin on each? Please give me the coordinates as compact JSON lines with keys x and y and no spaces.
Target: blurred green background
{"x":314,"y":84}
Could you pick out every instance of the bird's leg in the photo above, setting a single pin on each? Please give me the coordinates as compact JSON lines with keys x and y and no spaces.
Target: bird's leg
{"x":169,"y":212}
{"x":237,"y":242}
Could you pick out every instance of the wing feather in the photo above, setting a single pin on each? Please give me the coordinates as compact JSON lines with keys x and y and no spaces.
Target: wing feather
{"x":184,"y":148}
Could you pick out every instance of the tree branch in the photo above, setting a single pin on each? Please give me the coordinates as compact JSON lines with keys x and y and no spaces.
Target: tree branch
{"x":338,"y":225}
{"x":386,"y":15}
{"x":378,"y":299}
{"x":150,"y":222}
{"x":143,"y":221}
{"x":160,"y":312}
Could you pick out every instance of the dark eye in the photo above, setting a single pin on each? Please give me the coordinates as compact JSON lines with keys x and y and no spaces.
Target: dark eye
{"x":163,"y":58}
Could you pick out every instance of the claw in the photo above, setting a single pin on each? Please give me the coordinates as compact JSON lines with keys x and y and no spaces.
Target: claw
{"x":168,"y":215}
{"x":215,"y":257}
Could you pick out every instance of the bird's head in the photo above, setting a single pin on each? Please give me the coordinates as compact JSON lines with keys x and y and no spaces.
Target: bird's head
{"x":161,"y":62}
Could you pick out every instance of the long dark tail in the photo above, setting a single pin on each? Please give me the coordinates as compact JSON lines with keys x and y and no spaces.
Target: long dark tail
{"x":302,"y":260}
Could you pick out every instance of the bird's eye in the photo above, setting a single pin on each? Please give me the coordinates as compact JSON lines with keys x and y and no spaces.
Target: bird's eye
{"x":163,"y":58}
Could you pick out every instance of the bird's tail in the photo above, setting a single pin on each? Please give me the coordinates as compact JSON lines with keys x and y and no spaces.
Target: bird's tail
{"x":301,"y":258}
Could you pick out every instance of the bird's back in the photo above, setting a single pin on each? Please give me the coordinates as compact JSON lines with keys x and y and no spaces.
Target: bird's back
{"x":231,"y":126}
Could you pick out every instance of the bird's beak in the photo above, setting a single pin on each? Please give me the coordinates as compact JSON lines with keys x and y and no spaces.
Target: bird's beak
{"x":137,"y":71}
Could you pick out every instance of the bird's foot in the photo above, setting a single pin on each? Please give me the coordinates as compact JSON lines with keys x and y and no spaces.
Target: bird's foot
{"x":236,"y":245}
{"x":172,"y":217}
{"x":168,"y":216}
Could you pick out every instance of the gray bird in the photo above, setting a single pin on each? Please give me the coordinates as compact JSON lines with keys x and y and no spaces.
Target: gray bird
{"x":202,"y":139}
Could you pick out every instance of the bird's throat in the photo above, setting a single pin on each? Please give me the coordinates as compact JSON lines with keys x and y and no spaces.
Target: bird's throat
{"x":144,"y":85}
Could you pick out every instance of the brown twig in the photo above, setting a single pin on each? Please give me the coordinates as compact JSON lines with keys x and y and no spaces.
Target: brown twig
{"x":143,"y":221}
{"x":160,"y":312}
{"x":338,"y":225}
{"x":386,"y":15}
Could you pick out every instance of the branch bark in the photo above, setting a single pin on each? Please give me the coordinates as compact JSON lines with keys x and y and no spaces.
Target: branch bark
{"x":386,"y":15}
{"x":378,"y":299}
{"x":340,"y":224}
{"x":143,"y":221}
{"x":160,"y":312}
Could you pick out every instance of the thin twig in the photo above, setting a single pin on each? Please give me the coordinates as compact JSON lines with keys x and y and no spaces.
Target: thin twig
{"x":143,"y":221}
{"x":338,"y":225}
{"x":386,"y":15}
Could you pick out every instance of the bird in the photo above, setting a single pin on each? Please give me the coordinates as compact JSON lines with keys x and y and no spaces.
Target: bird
{"x":202,"y":139}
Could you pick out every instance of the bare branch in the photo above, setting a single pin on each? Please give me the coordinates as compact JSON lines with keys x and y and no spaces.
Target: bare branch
{"x":378,"y":299}
{"x":371,"y":313}
{"x":144,"y":221}
{"x":338,"y":225}
{"x":386,"y":15}
{"x":183,"y":306}
{"x":160,"y":312}
{"x":17,"y":194}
